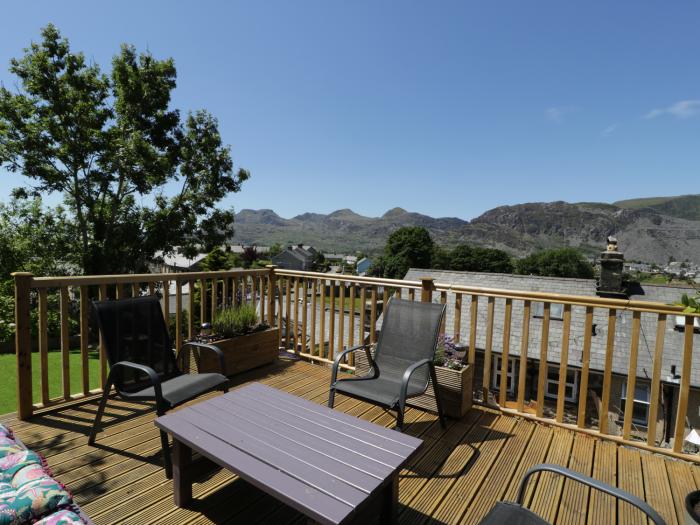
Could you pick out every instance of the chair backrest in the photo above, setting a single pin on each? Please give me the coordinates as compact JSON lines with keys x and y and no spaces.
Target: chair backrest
{"x":409,"y":333}
{"x":134,"y":330}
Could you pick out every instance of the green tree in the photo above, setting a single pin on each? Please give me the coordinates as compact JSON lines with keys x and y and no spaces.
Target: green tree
{"x":477,"y":259}
{"x":275,"y":249}
{"x":560,"y":262}
{"x":407,"y":247}
{"x":216,"y":260}
{"x":112,"y":145}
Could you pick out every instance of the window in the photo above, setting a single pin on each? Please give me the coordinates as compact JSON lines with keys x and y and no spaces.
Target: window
{"x":642,"y":398}
{"x":496,"y":374}
{"x":556,"y":311}
{"x":552,"y":385}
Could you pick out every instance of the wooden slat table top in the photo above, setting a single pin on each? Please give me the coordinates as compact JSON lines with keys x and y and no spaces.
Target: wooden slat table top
{"x":320,"y":461}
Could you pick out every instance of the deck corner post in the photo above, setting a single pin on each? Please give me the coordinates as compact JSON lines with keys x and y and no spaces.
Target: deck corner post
{"x":271,"y":294}
{"x":23,"y":344}
{"x":427,"y":287}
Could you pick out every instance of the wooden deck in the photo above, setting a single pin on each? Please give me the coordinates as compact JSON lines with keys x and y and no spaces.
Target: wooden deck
{"x":456,"y":477}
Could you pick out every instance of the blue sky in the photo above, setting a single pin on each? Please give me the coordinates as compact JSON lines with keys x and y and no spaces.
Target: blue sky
{"x":444,"y":108}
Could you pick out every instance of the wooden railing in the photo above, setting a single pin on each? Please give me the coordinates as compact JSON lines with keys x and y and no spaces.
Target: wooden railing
{"x":323,"y":313}
{"x":34,"y":295}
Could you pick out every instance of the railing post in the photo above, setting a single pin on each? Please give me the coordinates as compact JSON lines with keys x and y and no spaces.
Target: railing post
{"x":271,"y":294}
{"x":427,"y":287}
{"x":23,"y":344}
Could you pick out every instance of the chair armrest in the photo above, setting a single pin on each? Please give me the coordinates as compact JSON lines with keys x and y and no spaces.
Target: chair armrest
{"x":213,"y":348}
{"x":341,"y":355}
{"x":593,"y":483}
{"x":152,"y":376}
{"x":407,"y":376}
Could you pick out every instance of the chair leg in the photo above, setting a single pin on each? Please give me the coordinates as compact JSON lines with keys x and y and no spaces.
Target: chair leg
{"x":399,"y":418}
{"x":100,"y":412}
{"x":331,"y":397}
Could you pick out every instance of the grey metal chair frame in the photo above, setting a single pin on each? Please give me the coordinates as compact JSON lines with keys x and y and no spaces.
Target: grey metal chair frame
{"x":161,"y":405}
{"x":590,"y":482}
{"x":400,"y":407}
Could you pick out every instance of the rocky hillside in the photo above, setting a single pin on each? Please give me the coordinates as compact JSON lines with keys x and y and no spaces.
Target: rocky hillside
{"x":665,"y":227}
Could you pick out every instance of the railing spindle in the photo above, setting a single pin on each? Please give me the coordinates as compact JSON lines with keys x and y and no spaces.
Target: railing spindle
{"x":178,"y":315}
{"x":656,"y":379}
{"x":607,"y":371}
{"x":103,"y":351}
{"x":563,"y":362}
{"x":23,"y":344}
{"x":43,"y":346}
{"x":322,"y":324}
{"x":443,"y":300}
{"x":304,"y":315}
{"x":631,"y":376}
{"x":166,"y":302}
{"x":488,"y":349}
{"x":363,"y":313}
{"x":341,"y":318}
{"x":503,"y":387}
{"x":190,"y":310}
{"x":288,"y":313}
{"x":214,"y":292}
{"x":542,"y":373}
{"x":331,"y":322}
{"x":351,"y":323}
{"x":65,"y":341}
{"x":524,"y":346}
{"x":682,"y":410}
{"x":373,"y":317}
{"x":473,"y":313}
{"x":314,"y":300}
{"x":411,"y":294}
{"x":202,"y":300}
{"x":84,"y":361}
{"x":458,"y":318}
{"x":585,"y":365}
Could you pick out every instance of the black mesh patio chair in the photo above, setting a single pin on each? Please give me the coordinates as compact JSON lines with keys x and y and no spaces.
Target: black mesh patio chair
{"x":402,"y":366}
{"x":505,"y":512}
{"x":142,"y":363}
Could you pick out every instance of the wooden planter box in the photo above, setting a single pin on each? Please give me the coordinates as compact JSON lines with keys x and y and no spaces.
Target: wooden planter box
{"x":455,"y":388}
{"x":242,"y":353}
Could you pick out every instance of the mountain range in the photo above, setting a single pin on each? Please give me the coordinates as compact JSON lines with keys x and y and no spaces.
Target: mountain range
{"x":650,"y":229}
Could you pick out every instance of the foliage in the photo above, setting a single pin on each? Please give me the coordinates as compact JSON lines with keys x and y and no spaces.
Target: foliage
{"x":691,"y":304}
{"x":446,"y":354}
{"x":407,"y":247}
{"x":216,"y":260}
{"x":112,"y":145}
{"x":249,"y":256}
{"x":235,"y":320}
{"x":476,"y":259}
{"x":560,"y":262}
{"x":275,"y":249}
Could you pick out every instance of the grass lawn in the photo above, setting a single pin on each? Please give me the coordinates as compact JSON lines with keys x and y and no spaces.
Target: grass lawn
{"x":8,"y":371}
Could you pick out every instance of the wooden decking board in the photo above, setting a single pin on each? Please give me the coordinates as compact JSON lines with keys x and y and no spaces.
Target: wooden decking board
{"x":601,"y":507}
{"x":430,"y":457}
{"x":547,"y":494}
{"x":629,"y":478}
{"x":574,"y":500}
{"x":534,"y":453}
{"x":680,"y":476}
{"x":469,"y":483}
{"x":657,"y":487}
{"x":123,"y":482}
{"x":496,"y":481}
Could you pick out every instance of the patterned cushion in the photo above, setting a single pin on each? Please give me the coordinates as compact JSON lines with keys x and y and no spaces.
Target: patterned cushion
{"x":27,"y":491}
{"x":62,"y":517}
{"x":8,"y":445}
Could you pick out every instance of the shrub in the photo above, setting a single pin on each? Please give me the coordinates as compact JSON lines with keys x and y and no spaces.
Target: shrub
{"x":235,"y":320}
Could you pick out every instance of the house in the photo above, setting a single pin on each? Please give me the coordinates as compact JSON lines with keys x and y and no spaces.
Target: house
{"x":176,"y":262}
{"x":240,"y":248}
{"x":297,"y":257}
{"x":672,"y":350}
{"x":363,"y":266}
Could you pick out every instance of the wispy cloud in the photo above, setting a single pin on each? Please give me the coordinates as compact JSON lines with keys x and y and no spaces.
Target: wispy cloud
{"x":683,"y":109}
{"x":609,"y":130}
{"x":559,"y":113}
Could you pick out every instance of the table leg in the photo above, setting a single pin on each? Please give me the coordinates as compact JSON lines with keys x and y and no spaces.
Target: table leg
{"x":182,"y":482}
{"x":390,"y":501}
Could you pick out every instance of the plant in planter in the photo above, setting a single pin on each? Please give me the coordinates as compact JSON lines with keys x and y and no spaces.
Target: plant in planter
{"x":245,"y":341}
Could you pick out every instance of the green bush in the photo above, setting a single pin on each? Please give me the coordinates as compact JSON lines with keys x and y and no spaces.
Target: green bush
{"x":236,"y":320}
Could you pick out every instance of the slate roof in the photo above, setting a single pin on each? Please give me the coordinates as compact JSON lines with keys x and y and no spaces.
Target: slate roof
{"x":673,"y":339}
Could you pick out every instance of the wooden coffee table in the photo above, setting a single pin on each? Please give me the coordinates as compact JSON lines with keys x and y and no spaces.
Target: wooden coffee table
{"x":330,"y":466}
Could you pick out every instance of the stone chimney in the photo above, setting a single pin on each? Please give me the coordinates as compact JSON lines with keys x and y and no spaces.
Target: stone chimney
{"x":611,"y":263}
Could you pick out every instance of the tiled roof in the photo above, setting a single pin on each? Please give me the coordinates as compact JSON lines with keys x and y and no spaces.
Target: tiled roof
{"x":673,"y":339}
